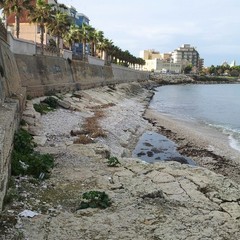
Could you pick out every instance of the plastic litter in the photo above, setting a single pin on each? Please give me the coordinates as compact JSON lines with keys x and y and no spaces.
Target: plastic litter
{"x":28,"y":213}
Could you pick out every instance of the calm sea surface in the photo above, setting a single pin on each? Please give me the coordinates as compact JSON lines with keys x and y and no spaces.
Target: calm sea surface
{"x":216,"y":105}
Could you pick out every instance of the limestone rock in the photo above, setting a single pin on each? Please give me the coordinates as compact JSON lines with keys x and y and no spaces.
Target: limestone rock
{"x":64,"y":104}
{"x":40,"y":140}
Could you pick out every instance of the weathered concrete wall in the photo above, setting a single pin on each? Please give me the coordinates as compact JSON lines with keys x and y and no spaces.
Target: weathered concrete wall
{"x":123,"y":74}
{"x":95,"y":61}
{"x":45,"y":74}
{"x":12,"y":100}
{"x":9,"y":76}
{"x":21,"y":45}
{"x":9,"y":119}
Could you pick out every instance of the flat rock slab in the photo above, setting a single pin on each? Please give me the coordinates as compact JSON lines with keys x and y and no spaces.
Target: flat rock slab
{"x":164,"y":200}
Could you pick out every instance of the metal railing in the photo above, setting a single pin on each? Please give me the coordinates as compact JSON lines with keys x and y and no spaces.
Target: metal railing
{"x":3,"y":32}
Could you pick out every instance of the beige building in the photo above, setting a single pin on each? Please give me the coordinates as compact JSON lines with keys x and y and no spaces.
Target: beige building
{"x":29,"y":31}
{"x":166,"y":56}
{"x":157,"y":62}
{"x":159,"y":65}
{"x":172,"y":62}
{"x":150,"y":54}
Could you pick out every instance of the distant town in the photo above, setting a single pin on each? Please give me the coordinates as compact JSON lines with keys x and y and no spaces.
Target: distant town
{"x":55,"y":27}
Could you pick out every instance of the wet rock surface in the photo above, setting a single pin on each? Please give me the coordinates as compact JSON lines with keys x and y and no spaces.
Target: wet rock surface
{"x":163,"y":200}
{"x":153,"y":147}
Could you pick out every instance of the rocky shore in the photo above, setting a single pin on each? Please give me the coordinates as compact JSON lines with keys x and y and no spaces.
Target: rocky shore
{"x":164,"y":200}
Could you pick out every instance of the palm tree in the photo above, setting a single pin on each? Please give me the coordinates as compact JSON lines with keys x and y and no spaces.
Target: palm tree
{"x":85,"y":29}
{"x":95,"y":37}
{"x":106,"y":47}
{"x":72,"y":35}
{"x":16,"y":7}
{"x":100,"y":39}
{"x":1,"y":3}
{"x":41,"y":15}
{"x":59,"y":25}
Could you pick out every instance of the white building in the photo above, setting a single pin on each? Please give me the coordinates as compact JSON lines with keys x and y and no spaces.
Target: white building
{"x":159,"y":65}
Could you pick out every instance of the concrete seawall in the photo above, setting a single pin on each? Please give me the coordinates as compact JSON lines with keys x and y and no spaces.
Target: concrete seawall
{"x":44,"y":74}
{"x":12,"y":101}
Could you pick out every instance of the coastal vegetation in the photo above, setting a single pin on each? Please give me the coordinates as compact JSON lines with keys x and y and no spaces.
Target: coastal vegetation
{"x":222,"y":70}
{"x":213,"y":79}
{"x":47,"y":105}
{"x":113,"y":162}
{"x":95,"y":199}
{"x":52,"y":18}
{"x":26,"y":161}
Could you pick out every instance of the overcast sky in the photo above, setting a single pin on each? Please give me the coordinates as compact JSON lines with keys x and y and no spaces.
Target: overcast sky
{"x":212,"y":26}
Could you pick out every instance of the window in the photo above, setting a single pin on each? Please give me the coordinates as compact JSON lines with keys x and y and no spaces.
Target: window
{"x":38,"y":29}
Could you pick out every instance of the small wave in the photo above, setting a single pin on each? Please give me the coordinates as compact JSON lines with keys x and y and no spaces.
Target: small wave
{"x":233,"y":135}
{"x":235,"y":144}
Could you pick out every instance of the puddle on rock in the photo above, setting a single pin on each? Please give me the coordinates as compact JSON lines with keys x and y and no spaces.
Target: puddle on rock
{"x":153,"y":147}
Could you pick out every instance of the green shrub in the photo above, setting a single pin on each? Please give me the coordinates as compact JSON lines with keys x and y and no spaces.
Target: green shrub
{"x":26,"y":161}
{"x":39,"y":165}
{"x":51,"y":102}
{"x":23,"y":142}
{"x":113,"y":162}
{"x":23,"y":122}
{"x":95,"y":199}
{"x":41,"y":108}
{"x":47,"y":105}
{"x":29,"y":97}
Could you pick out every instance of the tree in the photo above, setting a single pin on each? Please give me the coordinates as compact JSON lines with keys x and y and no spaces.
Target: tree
{"x":59,"y":25}
{"x":100,"y":39}
{"x":84,"y":37}
{"x":1,"y":4}
{"x":72,"y":36}
{"x":187,"y":69}
{"x":94,"y":37}
{"x":16,"y":7}
{"x":41,"y":15}
{"x":234,"y":73}
{"x":105,"y":47}
{"x":212,"y":70}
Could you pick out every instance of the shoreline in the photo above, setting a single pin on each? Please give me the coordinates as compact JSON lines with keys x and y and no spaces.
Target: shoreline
{"x":206,"y":146}
{"x":148,"y":201}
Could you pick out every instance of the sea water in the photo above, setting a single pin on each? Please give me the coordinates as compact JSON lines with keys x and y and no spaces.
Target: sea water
{"x":216,"y":105}
{"x":153,"y":147}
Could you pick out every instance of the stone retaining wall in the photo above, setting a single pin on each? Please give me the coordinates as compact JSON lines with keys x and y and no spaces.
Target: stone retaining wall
{"x":9,"y":119}
{"x":46,"y":74}
{"x":12,"y":101}
{"x":42,"y":75}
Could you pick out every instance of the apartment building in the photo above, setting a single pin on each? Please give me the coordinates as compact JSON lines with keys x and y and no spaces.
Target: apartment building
{"x":186,"y":55}
{"x":30,"y":31}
